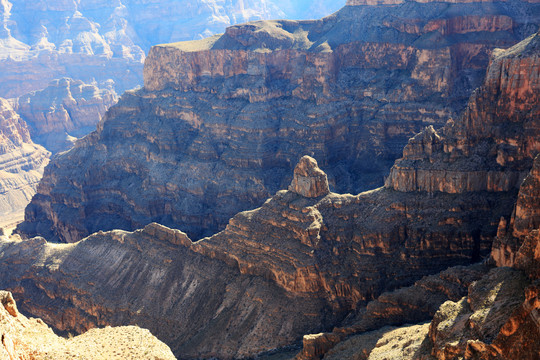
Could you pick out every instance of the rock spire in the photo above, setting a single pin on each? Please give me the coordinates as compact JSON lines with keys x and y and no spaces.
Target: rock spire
{"x":309,"y":180}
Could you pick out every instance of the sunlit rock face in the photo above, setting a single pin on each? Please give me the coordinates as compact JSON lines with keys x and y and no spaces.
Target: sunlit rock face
{"x":29,"y":338}
{"x":221,"y":122}
{"x":21,"y":165}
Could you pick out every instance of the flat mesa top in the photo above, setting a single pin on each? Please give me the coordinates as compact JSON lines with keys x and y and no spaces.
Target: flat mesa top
{"x":194,"y":45}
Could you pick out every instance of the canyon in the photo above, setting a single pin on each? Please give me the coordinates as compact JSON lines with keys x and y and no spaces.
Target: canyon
{"x":221,"y":122}
{"x":63,"y":69}
{"x":331,"y":269}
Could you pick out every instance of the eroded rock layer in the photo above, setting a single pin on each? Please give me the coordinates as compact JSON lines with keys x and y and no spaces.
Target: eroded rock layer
{"x":221,"y":122}
{"x":21,"y":165}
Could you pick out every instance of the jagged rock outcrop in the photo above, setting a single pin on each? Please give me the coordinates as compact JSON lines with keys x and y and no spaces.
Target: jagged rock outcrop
{"x":491,"y":148}
{"x":308,"y":180}
{"x":31,"y":339}
{"x":65,"y":110}
{"x":517,"y":242}
{"x":221,"y":122}
{"x":21,"y":165}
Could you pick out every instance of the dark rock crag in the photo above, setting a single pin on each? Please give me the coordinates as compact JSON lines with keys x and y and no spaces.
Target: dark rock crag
{"x":220,"y":123}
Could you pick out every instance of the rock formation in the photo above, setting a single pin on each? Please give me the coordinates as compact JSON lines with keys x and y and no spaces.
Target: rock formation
{"x":21,"y":165}
{"x":221,"y":122}
{"x":308,"y":260}
{"x":67,"y":109}
{"x":31,"y":339}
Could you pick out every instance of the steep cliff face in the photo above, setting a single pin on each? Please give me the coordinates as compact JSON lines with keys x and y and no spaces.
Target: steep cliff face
{"x":31,"y":339}
{"x":21,"y":165}
{"x":499,"y":317}
{"x":491,"y":148}
{"x":221,"y":121}
{"x":65,"y":110}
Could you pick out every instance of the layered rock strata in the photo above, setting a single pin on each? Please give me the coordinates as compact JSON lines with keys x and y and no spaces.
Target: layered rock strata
{"x":65,"y":110}
{"x":21,"y":165}
{"x":31,"y":339}
{"x":496,"y":138}
{"x":307,"y":259}
{"x":499,"y":318}
{"x":221,"y":122}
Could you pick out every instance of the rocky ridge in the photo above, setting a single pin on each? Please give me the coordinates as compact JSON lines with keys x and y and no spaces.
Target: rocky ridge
{"x":221,"y":121}
{"x":32,"y":339}
{"x":21,"y":165}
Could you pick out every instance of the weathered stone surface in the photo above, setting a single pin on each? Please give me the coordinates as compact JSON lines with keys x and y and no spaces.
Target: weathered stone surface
{"x":21,"y":165}
{"x":67,"y":109}
{"x":301,"y":265}
{"x":308,"y":179}
{"x":404,"y":343}
{"x":368,"y":329}
{"x":221,"y":122}
{"x":479,"y":316}
{"x":31,"y":339}
{"x":202,"y":307}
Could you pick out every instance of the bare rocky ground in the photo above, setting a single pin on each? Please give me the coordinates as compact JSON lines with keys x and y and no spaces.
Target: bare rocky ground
{"x":31,"y":339}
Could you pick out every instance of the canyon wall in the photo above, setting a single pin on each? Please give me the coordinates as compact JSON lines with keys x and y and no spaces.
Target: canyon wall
{"x":92,"y":40}
{"x":221,"y":122}
{"x":65,"y":110}
{"x":102,"y":46}
{"x":21,"y":165}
